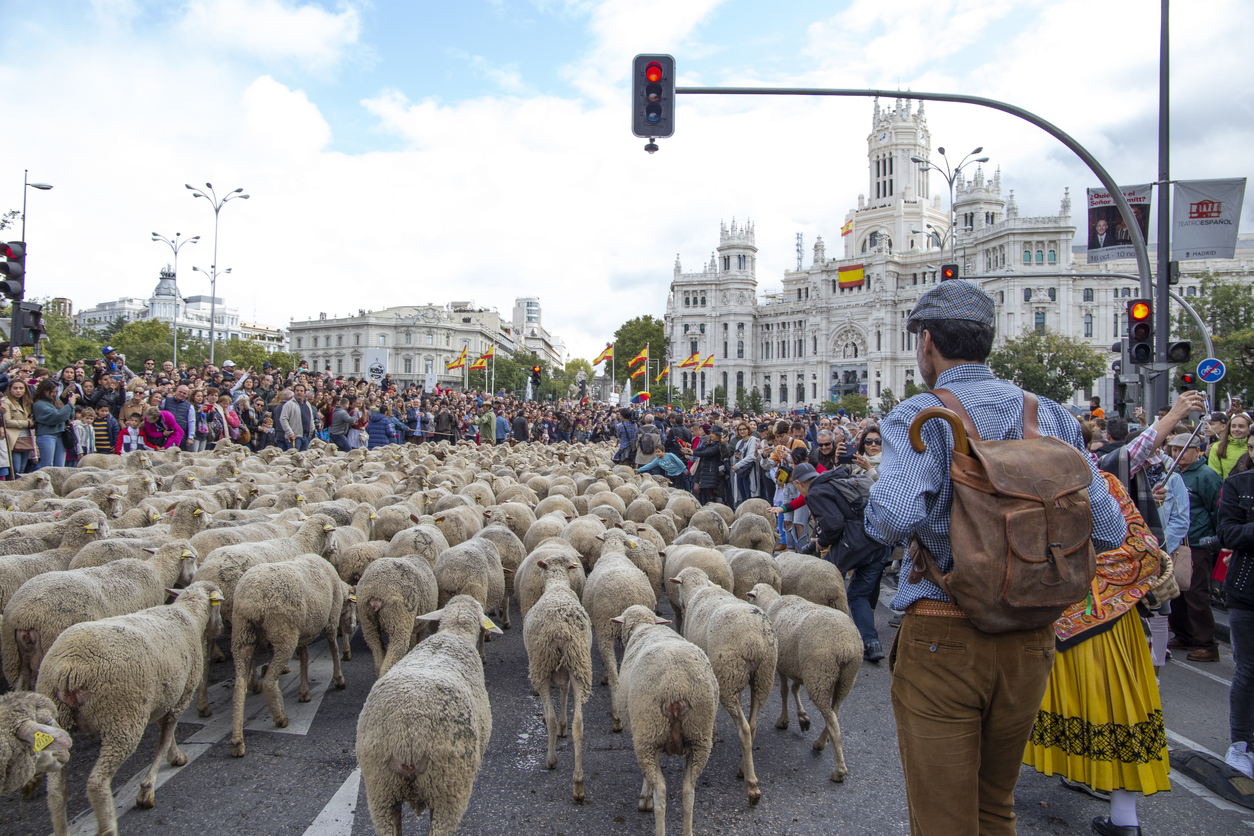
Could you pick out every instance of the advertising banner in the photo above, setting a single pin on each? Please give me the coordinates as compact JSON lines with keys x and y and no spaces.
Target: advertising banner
{"x":1205,"y":217}
{"x":376,"y":363}
{"x":1109,"y":238}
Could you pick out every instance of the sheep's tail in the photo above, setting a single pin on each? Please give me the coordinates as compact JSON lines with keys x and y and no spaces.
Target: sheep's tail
{"x":675,"y":712}
{"x":409,"y":770}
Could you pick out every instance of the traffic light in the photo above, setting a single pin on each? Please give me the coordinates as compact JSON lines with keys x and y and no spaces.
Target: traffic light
{"x":653,"y":96}
{"x":27,"y":324}
{"x":949,"y":272}
{"x":1187,"y":382}
{"x":1179,"y":353}
{"x":13,"y":269}
{"x":535,"y":376}
{"x":1140,"y":331}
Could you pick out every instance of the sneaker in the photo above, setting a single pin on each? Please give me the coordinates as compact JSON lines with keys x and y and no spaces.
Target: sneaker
{"x":1241,"y":759}
{"x":895,"y":621}
{"x":1100,"y":795}
{"x":873,"y":651}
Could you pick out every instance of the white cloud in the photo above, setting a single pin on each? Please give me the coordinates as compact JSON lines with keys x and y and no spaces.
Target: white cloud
{"x":275,"y":30}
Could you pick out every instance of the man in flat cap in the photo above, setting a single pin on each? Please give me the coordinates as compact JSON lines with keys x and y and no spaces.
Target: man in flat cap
{"x":964,"y":700}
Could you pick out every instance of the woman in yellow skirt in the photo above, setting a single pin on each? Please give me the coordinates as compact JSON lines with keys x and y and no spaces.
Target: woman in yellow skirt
{"x":1101,"y":722}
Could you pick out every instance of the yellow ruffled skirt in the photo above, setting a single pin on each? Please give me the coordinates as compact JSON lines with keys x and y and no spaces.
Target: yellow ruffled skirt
{"x":1101,"y":722}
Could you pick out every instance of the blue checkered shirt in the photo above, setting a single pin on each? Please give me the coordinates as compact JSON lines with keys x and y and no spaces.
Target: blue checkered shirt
{"x":913,"y":494}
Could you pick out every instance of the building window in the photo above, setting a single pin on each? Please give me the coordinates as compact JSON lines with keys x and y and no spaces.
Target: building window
{"x":409,"y":366}
{"x":430,"y":339}
{"x":428,"y":365}
{"x":1088,"y":325}
{"x":740,"y":260}
{"x":1040,"y":322}
{"x":740,"y":349}
{"x":298,"y":342}
{"x":783,"y":388}
{"x":693,"y":344}
{"x":702,"y":328}
{"x":687,"y":301}
{"x":339,"y":366}
{"x":1040,"y":257}
{"x":685,"y":327}
{"x":383,"y":340}
{"x":1087,"y":294}
{"x":1190,"y":291}
{"x":766,"y":392}
{"x":1053,"y":256}
{"x":726,"y":263}
{"x":798,"y":294}
{"x":409,"y":338}
{"x":1027,"y":256}
{"x":703,"y":300}
{"x":816,"y":346}
{"x":1053,"y":294}
{"x":1001,"y":297}
{"x":1027,"y":294}
{"x":1127,"y":292}
{"x":724,"y":327}
{"x":356,"y":339}
{"x":879,"y":341}
{"x":724,"y":349}
{"x":356,"y":365}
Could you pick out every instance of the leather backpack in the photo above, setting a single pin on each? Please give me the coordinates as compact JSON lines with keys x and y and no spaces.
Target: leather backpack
{"x":1020,"y":528}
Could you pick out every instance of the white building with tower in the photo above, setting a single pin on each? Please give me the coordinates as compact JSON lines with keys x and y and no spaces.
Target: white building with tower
{"x":530,"y":334}
{"x":838,"y":325}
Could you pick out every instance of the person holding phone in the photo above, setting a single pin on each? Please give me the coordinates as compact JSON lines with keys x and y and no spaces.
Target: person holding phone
{"x":51,"y":419}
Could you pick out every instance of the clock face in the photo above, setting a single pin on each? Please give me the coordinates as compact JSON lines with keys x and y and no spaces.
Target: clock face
{"x":883,"y":137}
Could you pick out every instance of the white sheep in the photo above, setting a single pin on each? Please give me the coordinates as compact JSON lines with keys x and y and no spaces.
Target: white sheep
{"x":392,"y":592}
{"x":17,"y":569}
{"x":821,"y":648}
{"x":511,"y":553}
{"x":749,"y":568}
{"x":812,"y":578}
{"x":557,"y":633}
{"x":708,"y":560}
{"x":49,"y":604}
{"x":472,"y":568}
{"x":641,"y":552}
{"x":31,"y":742}
{"x":529,"y":581}
{"x":286,"y":605}
{"x":740,"y":643}
{"x":667,"y":697}
{"x":614,"y":585}
{"x":425,"y":726}
{"x":114,"y":677}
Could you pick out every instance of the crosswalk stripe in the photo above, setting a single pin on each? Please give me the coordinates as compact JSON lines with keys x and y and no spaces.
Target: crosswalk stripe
{"x":336,"y":819}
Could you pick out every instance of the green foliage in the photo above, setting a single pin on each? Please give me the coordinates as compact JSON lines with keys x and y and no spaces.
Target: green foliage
{"x":719,"y":396}
{"x":1050,"y":364}
{"x":686,"y":400}
{"x":108,"y":333}
{"x":830,"y":407}
{"x":912,"y":389}
{"x":1227,"y":308}
{"x":631,"y":337}
{"x":855,"y":405}
{"x":9,"y":218}
{"x":63,"y":345}
{"x":887,"y":399}
{"x":753,"y":402}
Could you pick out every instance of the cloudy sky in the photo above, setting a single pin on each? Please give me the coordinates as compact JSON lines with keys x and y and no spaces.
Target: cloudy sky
{"x":406,"y":151}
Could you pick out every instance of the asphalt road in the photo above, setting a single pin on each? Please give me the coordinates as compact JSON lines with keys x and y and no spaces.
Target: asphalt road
{"x":302,"y":780}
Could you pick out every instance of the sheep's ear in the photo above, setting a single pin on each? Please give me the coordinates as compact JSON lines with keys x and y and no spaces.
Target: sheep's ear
{"x":661,"y":552}
{"x":439,"y":519}
{"x":40,"y":736}
{"x":431,"y":616}
{"x":618,"y":619}
{"x":492,"y":628}
{"x":507,"y":570}
{"x":149,"y":550}
{"x":751,"y":595}
{"x":543,"y":564}
{"x":173,"y":593}
{"x":487,"y":514}
{"x":196,"y":512}
{"x":676,"y":580}
{"x":601,"y":537}
{"x":661,"y":621}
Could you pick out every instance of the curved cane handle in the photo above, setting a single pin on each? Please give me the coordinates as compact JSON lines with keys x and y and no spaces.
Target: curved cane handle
{"x":955,"y":423}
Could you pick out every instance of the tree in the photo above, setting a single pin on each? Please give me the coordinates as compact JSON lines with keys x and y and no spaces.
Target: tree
{"x":753,"y":402}
{"x":111,"y":329}
{"x":63,"y":344}
{"x":718,"y":396}
{"x":1227,"y":308}
{"x":9,"y":218}
{"x":146,"y":338}
{"x":887,"y":400}
{"x":632,"y":336}
{"x":855,"y":405}
{"x":913,"y":389}
{"x":1048,"y":363}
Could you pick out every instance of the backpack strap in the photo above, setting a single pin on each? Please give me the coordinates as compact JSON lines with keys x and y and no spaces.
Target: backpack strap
{"x":1031,"y":427}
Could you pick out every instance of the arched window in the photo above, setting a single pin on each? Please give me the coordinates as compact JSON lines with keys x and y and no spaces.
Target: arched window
{"x":1040,"y":257}
{"x":1053,"y":256}
{"x":1027,"y":256}
{"x":801,"y":392}
{"x":1087,"y":294}
{"x":703,"y":300}
{"x":687,"y":301}
{"x":1040,"y":322}
{"x":1027,"y":294}
{"x":1053,"y":294}
{"x":766,"y":392}
{"x":740,"y":381}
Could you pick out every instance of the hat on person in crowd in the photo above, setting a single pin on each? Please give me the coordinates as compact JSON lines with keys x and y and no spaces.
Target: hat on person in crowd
{"x":228,"y":364}
{"x":804,"y":473}
{"x":267,"y":365}
{"x":715,"y":428}
{"x":106,"y":351}
{"x":1221,"y":417}
{"x":956,"y":299}
{"x":705,"y":428}
{"x":1184,"y":440}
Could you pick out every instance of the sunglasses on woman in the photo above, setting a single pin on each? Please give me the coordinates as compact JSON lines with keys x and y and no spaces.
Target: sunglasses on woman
{"x":878,"y":442}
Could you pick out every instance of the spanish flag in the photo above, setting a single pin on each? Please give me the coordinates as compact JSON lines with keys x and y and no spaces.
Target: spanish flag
{"x":608,"y":354}
{"x":489,"y":354}
{"x":851,"y":276}
{"x":708,"y":364}
{"x":662,"y":374}
{"x":640,"y":371}
{"x":846,"y":229}
{"x":643,"y":356}
{"x":459,"y":362}
{"x":480,"y":364}
{"x":692,"y":362}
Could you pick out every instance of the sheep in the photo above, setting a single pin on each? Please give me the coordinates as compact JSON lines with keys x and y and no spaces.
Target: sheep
{"x":582,"y":534}
{"x":351,"y":563}
{"x":394,"y":519}
{"x":740,"y":643}
{"x":614,"y":585}
{"x":425,"y":725}
{"x":188,"y":517}
{"x":708,"y":560}
{"x":17,"y":569}
{"x":813,"y":579}
{"x":359,"y":530}
{"x":515,"y":516}
{"x":472,"y":568}
{"x":550,"y":525}
{"x":694,"y":537}
{"x":38,"y":542}
{"x":114,"y":677}
{"x":553,"y":503}
{"x":750,"y":567}
{"x":424,"y":540}
{"x":287,"y":605}
{"x":820,"y":647}
{"x":512,"y":553}
{"x":711,"y":523}
{"x":683,"y":505}
{"x":49,"y":604}
{"x":392,"y":592}
{"x":667,"y":697}
{"x":752,"y":532}
{"x":139,"y":517}
{"x":529,"y":580}
{"x":212,"y":538}
{"x":459,"y":524}
{"x":664,"y":526}
{"x":557,"y":633}
{"x":31,"y":742}
{"x":753,"y":507}
{"x":640,"y":552}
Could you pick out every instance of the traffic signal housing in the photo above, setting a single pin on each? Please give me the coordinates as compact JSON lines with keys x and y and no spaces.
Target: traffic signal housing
{"x":653,"y":96}
{"x":1188,"y":382}
{"x":1140,"y":331}
{"x":949,"y":272}
{"x":1179,"y":353}
{"x":535,"y":377}
{"x":26,"y":327}
{"x":13,"y":270}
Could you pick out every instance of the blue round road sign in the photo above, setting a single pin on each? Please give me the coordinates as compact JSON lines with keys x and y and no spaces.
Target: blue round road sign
{"x":1211,"y":370}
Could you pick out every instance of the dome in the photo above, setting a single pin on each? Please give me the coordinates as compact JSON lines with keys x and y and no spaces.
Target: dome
{"x":167,"y":286}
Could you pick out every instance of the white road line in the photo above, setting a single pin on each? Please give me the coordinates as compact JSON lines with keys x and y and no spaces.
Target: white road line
{"x":336,"y":819}
{"x":300,"y":715}
{"x":124,"y":798}
{"x":1207,"y":674}
{"x":1189,"y":744}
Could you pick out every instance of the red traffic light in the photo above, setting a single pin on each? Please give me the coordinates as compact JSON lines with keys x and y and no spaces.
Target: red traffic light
{"x":535,"y":369}
{"x":1139,"y":311}
{"x":949,"y":272}
{"x":653,"y":72}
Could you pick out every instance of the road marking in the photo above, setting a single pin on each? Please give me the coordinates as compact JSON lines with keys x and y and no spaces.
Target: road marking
{"x":1189,"y":744}
{"x":336,"y":819}
{"x":1196,"y":788}
{"x":218,"y":727}
{"x":1225,"y":682}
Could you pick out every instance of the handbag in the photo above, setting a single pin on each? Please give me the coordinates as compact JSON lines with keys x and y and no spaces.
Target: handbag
{"x":24,"y":444}
{"x":69,"y":441}
{"x":1165,"y":587}
{"x":1182,"y":560}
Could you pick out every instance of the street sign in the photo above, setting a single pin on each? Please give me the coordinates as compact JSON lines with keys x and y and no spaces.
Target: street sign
{"x":1211,"y":370}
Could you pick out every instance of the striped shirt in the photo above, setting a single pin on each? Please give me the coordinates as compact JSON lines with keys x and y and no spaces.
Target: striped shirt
{"x":914,"y":493}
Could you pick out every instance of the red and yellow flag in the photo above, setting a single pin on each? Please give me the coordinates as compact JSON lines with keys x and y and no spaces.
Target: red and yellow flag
{"x":851,"y":276}
{"x":662,"y":374}
{"x":459,"y":362}
{"x":708,"y":364}
{"x":643,"y":356}
{"x":692,"y":362}
{"x":846,"y":229}
{"x":640,"y":371}
{"x":608,"y":354}
{"x":480,"y":364}
{"x":489,"y":354}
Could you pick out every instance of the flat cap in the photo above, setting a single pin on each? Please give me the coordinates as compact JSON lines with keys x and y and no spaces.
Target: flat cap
{"x":955,"y":299}
{"x":1184,"y":440}
{"x":804,"y":473}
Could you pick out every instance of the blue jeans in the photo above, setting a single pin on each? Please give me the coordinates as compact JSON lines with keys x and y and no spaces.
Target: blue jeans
{"x":51,"y":451}
{"x":302,"y":443}
{"x":20,"y":461}
{"x":742,"y":486}
{"x":341,"y":442}
{"x":1241,"y":698}
{"x":863,"y":593}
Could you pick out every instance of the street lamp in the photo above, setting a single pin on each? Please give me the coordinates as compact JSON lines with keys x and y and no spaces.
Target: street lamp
{"x":213,"y":274}
{"x":176,"y":245}
{"x":217,"y":204}
{"x":43,"y":187}
{"x":950,"y":176}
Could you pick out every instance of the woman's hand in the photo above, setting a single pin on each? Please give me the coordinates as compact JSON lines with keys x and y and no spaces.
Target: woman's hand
{"x":861,"y":461}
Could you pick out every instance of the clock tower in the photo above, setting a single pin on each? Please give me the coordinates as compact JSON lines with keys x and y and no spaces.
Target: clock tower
{"x":896,"y":136}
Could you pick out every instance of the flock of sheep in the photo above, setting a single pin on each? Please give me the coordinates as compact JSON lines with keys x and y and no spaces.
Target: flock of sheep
{"x":118,"y":577}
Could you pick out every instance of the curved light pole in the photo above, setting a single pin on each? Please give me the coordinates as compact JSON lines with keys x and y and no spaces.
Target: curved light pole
{"x":175,"y":246}
{"x":217,"y":204}
{"x":213,"y":274}
{"x":950,"y":176}
{"x":43,"y":187}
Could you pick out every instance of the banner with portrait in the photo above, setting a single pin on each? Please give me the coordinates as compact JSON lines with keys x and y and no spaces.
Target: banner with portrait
{"x":1205,"y":216}
{"x":1108,"y":236}
{"x":376,"y":364}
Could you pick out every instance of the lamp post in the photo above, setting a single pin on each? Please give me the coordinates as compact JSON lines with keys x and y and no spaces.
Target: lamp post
{"x":217,"y":204}
{"x":950,"y":176}
{"x":175,"y":246}
{"x":43,"y":187}
{"x":213,"y":274}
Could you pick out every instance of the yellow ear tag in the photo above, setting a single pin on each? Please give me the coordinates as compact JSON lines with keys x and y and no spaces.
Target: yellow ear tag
{"x":353,"y":598}
{"x":487,"y":624}
{"x":42,"y":739}
{"x":215,"y":601}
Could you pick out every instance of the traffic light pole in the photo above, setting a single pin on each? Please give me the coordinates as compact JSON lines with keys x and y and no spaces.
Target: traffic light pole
{"x":1161,"y":392}
{"x":1121,"y":203}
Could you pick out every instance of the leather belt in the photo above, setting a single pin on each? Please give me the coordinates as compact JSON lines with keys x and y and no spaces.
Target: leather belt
{"x":942,"y":609}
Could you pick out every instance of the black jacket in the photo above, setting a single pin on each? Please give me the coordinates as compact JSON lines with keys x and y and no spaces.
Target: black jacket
{"x":829,"y":510}
{"x":711,"y":457}
{"x":1236,"y":532}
